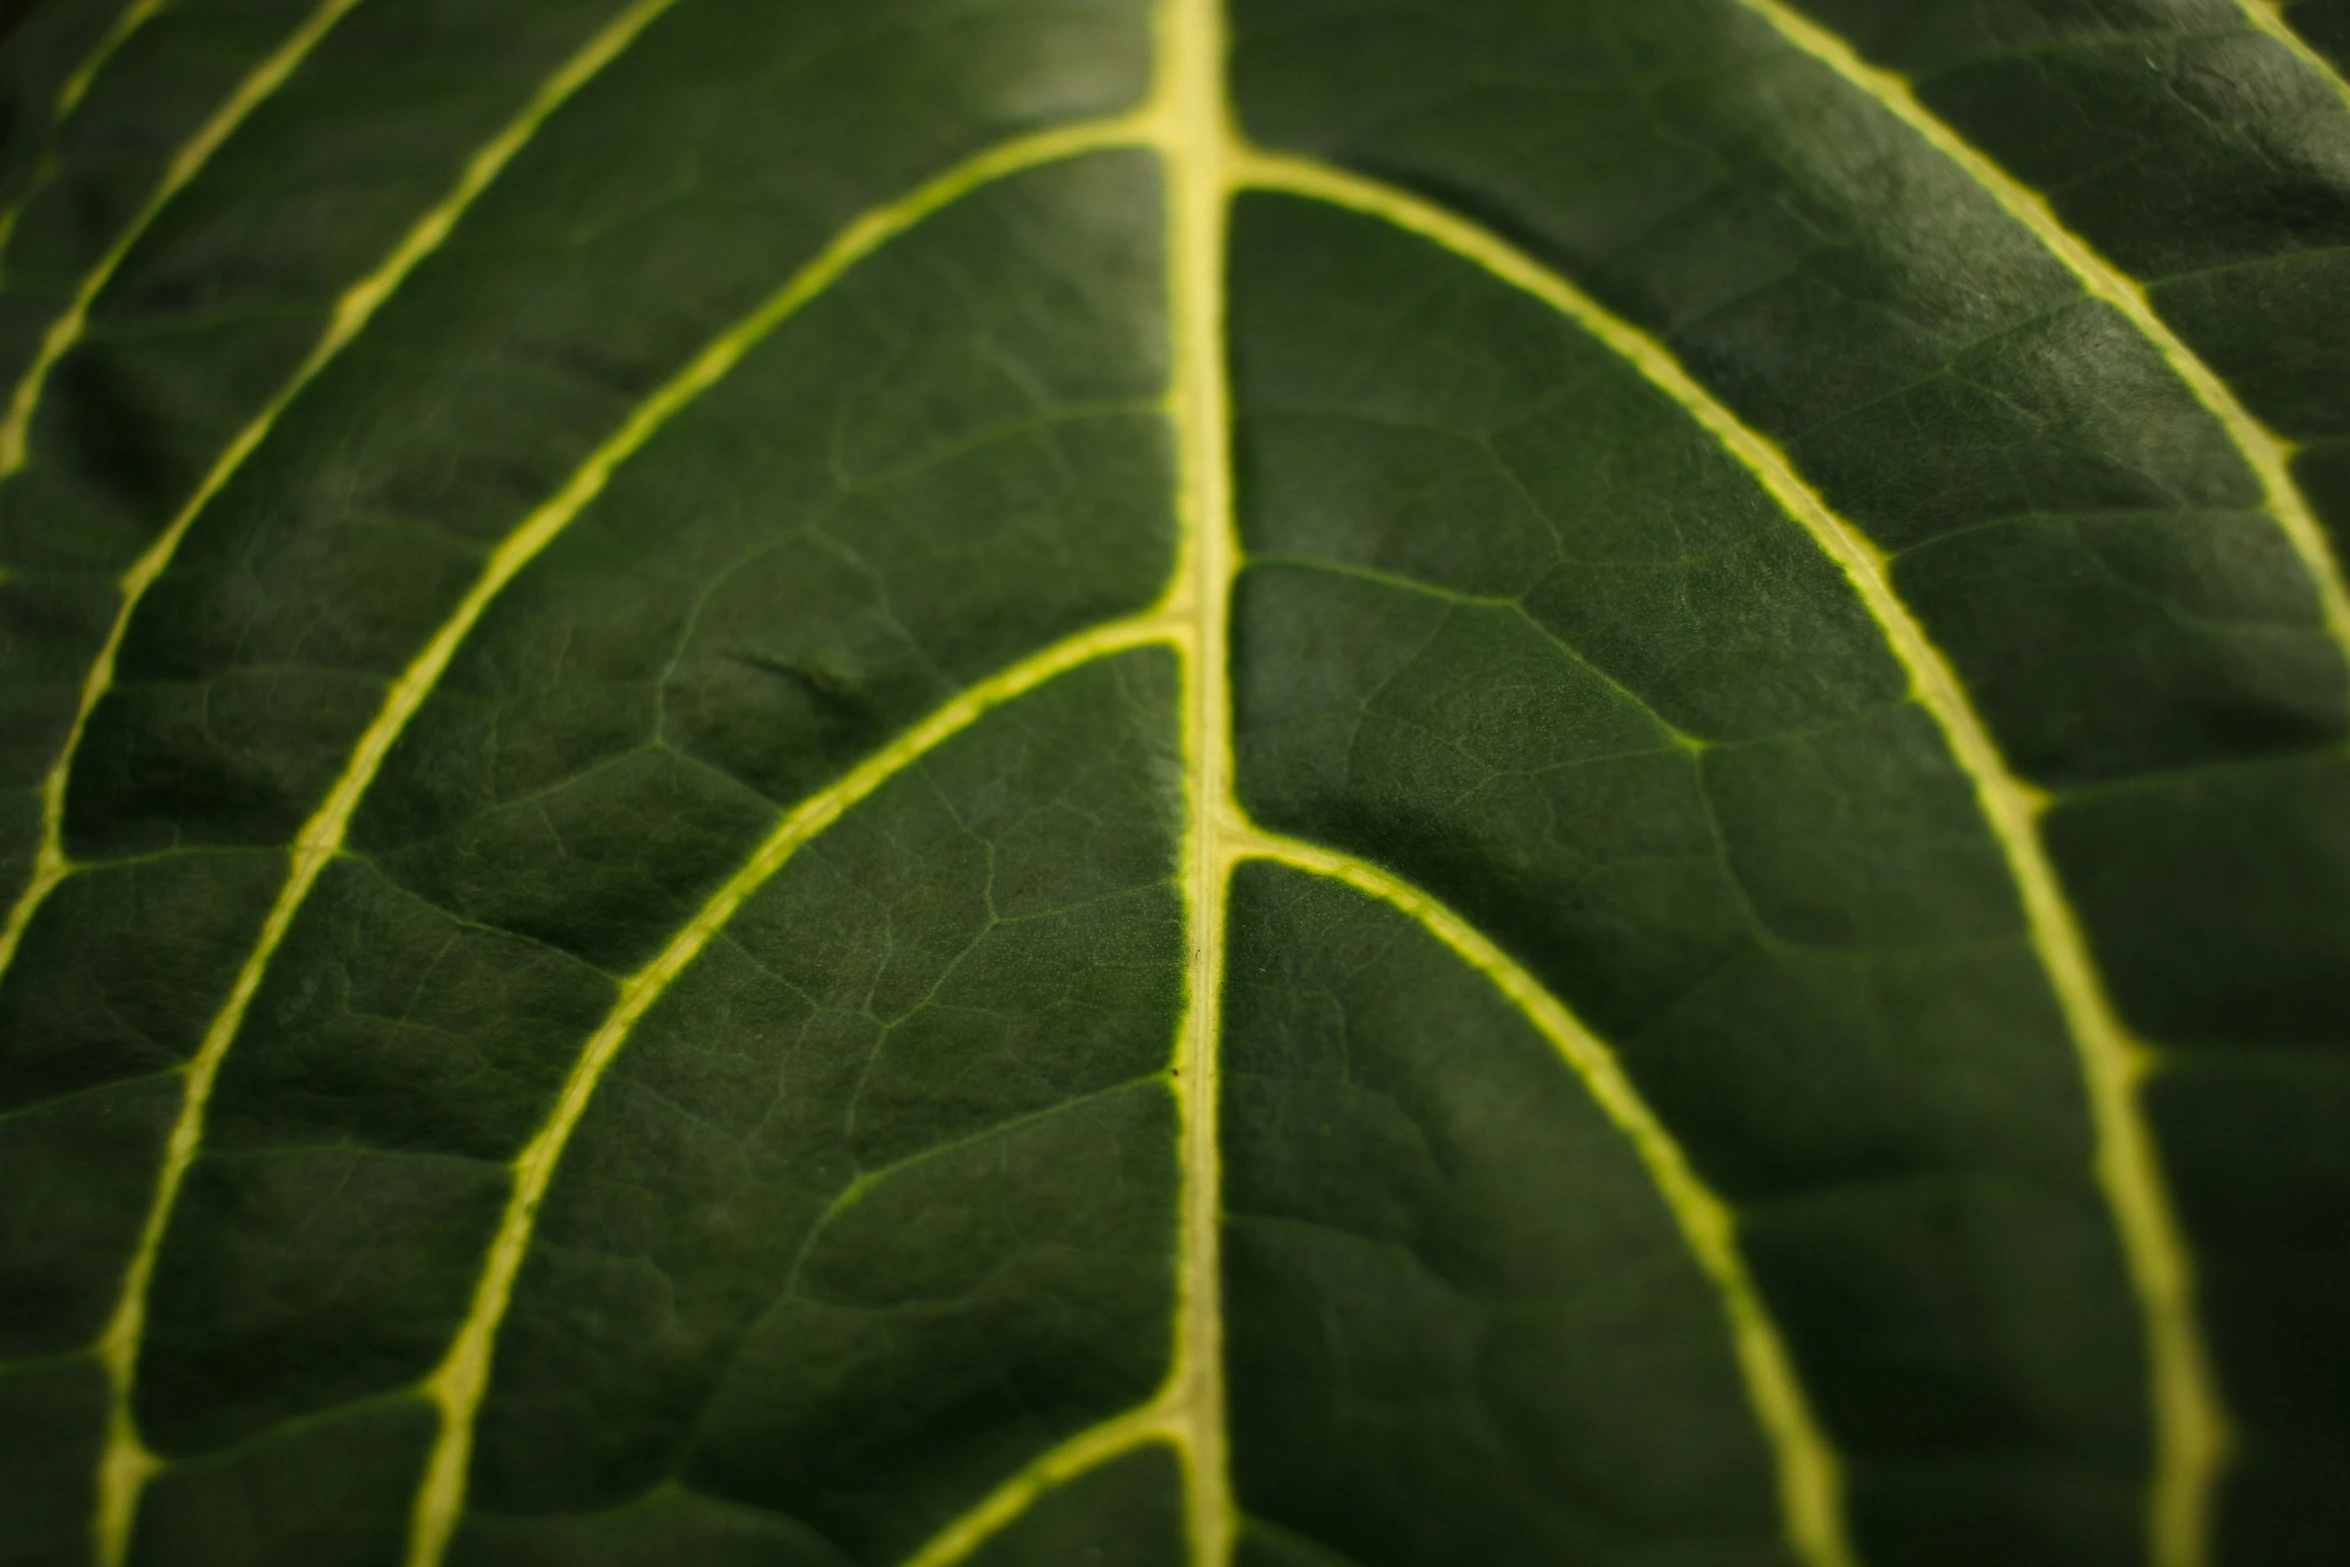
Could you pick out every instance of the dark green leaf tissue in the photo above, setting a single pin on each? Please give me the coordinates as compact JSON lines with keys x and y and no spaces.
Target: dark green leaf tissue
{"x":1175,"y":783}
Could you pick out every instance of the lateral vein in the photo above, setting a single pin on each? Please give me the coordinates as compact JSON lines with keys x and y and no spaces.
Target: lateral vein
{"x":2269,"y":17}
{"x":1087,"y":1450}
{"x":355,"y":307}
{"x":263,"y":80}
{"x":2265,"y":452}
{"x":2191,"y":1423}
{"x":2192,"y":1430}
{"x":128,"y":21}
{"x":69,"y":94}
{"x":1810,"y":1479}
{"x":127,"y":1464}
{"x":456,"y":1386}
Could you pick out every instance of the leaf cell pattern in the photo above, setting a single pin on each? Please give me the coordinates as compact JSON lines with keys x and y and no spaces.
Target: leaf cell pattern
{"x":1221,"y":781}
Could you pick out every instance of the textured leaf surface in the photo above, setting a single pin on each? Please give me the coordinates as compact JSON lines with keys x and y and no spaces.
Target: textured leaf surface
{"x":1161,"y":783}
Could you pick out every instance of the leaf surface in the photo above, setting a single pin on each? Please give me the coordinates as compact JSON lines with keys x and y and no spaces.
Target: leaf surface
{"x":1028,"y":781}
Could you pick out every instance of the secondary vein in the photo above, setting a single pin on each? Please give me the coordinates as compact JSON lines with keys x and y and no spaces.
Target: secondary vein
{"x":128,"y":21}
{"x":263,"y":80}
{"x":126,"y":1464}
{"x":457,"y":1384}
{"x":2265,"y":452}
{"x":2269,"y":17}
{"x":2192,"y":1430}
{"x":2190,"y":1421}
{"x":69,"y":94}
{"x":1086,"y":1451}
{"x":1811,"y":1487}
{"x":352,"y":311}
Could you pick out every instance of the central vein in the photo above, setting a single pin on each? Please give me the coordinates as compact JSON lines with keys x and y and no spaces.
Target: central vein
{"x":1194,"y":141}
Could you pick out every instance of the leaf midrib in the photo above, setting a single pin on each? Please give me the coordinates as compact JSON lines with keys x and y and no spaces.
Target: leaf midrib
{"x":1195,"y":138}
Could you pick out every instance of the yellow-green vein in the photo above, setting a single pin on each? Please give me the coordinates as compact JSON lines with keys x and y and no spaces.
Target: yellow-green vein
{"x":1088,"y":1449}
{"x":1192,"y":122}
{"x":2268,"y":454}
{"x":2191,"y":1431}
{"x":185,"y":165}
{"x":457,"y":1384}
{"x":2269,"y":17}
{"x":350,"y":315}
{"x":128,"y":21}
{"x":1810,"y":1480}
{"x":126,"y":1463}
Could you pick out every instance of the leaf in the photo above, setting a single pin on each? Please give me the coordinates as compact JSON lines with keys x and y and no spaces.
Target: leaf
{"x":1040,"y":781}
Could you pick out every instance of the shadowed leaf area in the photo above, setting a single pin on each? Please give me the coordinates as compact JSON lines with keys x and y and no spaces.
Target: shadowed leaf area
{"x":1174,"y":783}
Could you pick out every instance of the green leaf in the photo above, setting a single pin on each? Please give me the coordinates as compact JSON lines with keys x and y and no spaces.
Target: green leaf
{"x":1158,"y":783}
